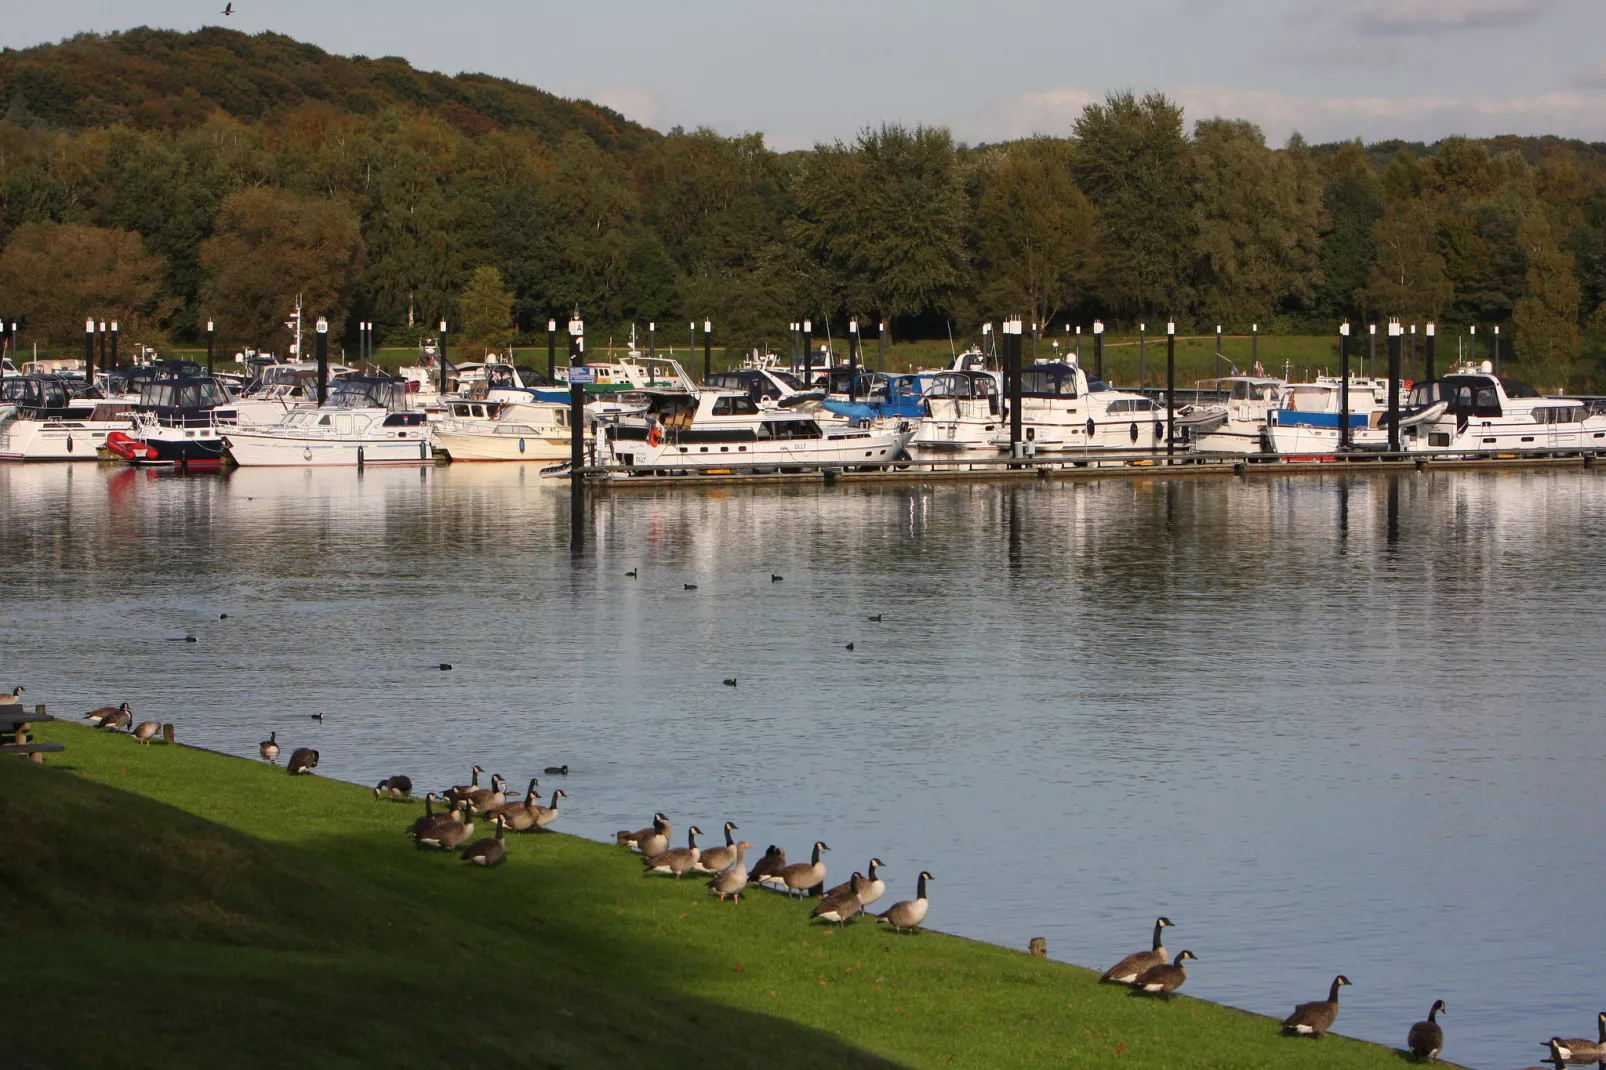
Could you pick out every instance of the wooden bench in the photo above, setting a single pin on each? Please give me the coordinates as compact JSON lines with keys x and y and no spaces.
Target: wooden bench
{"x":14,"y":723}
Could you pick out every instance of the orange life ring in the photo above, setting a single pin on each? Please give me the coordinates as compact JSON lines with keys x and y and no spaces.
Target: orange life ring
{"x":655,"y":437}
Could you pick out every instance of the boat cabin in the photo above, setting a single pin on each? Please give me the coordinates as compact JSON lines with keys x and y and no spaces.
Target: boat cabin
{"x":760,"y":384}
{"x":371,"y":392}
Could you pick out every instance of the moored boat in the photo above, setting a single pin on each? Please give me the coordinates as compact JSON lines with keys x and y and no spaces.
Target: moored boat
{"x":1473,"y":409}
{"x":366,"y":420}
{"x":518,"y":431}
{"x":177,"y":423}
{"x":49,"y":418}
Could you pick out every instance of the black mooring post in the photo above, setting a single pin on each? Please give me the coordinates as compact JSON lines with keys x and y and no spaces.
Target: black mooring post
{"x":1428,"y":355}
{"x":1170,"y":389}
{"x":1143,"y":345}
{"x":1371,"y":351}
{"x":1497,"y":349}
{"x":1395,"y":342}
{"x":1254,"y":348}
{"x":853,"y":360}
{"x":1218,"y":351}
{"x":89,"y":351}
{"x":577,"y":399}
{"x":880,"y":364}
{"x":113,"y":358}
{"x":708,"y":349}
{"x":210,"y":335}
{"x":1014,"y":382}
{"x":552,"y":351}
{"x":652,"y":339}
{"x":321,"y":337}
{"x":807,"y":337}
{"x":1098,"y":349}
{"x":1343,"y":387}
{"x":440,"y":350}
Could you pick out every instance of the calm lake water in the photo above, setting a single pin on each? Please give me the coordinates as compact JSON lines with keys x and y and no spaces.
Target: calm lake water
{"x":1320,"y":739}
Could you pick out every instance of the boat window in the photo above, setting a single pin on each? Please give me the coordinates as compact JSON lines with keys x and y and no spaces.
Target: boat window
{"x":1240,"y":391}
{"x":734,"y":406}
{"x":1515,"y":389}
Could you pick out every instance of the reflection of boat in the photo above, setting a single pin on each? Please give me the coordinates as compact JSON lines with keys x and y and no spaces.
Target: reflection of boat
{"x":367,"y":420}
{"x":1474,"y":409}
{"x":177,"y":422}
{"x":716,"y":428}
{"x":519,"y":431}
{"x":49,"y":419}
{"x":1236,"y":423}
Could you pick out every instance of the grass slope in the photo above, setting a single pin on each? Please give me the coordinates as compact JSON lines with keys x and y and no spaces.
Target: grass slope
{"x":170,"y":905}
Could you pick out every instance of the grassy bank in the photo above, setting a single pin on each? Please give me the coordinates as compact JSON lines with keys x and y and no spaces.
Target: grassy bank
{"x":169,"y":905}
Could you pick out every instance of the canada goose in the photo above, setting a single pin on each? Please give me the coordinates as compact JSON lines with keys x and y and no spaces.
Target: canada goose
{"x":1426,"y":1039}
{"x":730,"y":682}
{"x":870,"y":888}
{"x":1581,"y":1050}
{"x":167,"y":732}
{"x":770,"y":865}
{"x":484,"y":800}
{"x":461,"y":790}
{"x":104,"y":712}
{"x":545,"y":815}
{"x":801,"y":876}
{"x":676,"y":860}
{"x":302,"y":760}
{"x":731,"y":881}
{"x":909,"y":913}
{"x":396,"y":787}
{"x":633,"y":839}
{"x":839,"y":906}
{"x":449,"y":835}
{"x":556,"y":770}
{"x":690,"y":586}
{"x":1038,"y":948}
{"x":521,"y":815}
{"x":717,"y":858}
{"x":1314,"y":1019}
{"x":269,"y":748}
{"x":13,"y":698}
{"x":656,"y":839}
{"x":430,"y":816}
{"x":631,"y":573}
{"x":146,"y":730}
{"x":876,"y":619}
{"x":488,"y":852}
{"x":1164,"y":978}
{"x":117,"y":720}
{"x":1126,"y":971}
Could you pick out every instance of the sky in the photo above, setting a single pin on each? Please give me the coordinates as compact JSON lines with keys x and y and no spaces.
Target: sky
{"x":806,"y":71}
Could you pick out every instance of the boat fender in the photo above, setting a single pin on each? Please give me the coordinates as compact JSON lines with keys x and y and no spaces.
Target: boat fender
{"x":1090,"y":427}
{"x":521,"y":445}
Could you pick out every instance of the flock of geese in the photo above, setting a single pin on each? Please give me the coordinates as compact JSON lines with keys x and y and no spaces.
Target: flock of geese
{"x":1152,"y":972}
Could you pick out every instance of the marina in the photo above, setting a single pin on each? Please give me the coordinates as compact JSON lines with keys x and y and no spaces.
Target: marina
{"x":1283,"y":711}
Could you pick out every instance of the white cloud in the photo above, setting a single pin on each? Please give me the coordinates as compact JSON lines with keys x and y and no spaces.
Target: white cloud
{"x":1575,"y":113}
{"x":636,"y":103}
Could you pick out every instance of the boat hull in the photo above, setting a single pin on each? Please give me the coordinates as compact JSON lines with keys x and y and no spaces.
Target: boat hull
{"x":47,"y":440}
{"x":462,"y":446}
{"x":258,"y":449}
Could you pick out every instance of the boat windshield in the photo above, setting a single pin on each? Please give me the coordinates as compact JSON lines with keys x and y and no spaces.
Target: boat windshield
{"x":34,"y":392}
{"x":368,"y":392}
{"x":183,"y":394}
{"x":962,"y":385}
{"x":1049,"y":380}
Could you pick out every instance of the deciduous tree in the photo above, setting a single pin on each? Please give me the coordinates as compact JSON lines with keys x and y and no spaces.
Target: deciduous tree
{"x":1546,"y":317}
{"x":58,"y":274}
{"x":485,"y":310}
{"x":1034,"y":232}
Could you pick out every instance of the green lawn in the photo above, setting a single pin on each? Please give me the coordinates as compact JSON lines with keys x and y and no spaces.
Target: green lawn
{"x":167,"y":906}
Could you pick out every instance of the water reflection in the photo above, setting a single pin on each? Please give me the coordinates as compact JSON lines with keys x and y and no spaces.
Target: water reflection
{"x":1335,"y":724}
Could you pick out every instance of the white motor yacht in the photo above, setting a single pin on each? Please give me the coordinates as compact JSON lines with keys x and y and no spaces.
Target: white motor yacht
{"x":1307,"y":423}
{"x":1473,"y":409}
{"x":1237,"y":422}
{"x":717,"y":428}
{"x":367,"y":420}
{"x":962,"y":412}
{"x":1066,"y":410}
{"x":281,"y":389}
{"x":513,"y":431}
{"x":47,"y":418}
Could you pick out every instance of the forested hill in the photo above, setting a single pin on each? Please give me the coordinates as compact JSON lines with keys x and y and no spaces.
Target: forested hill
{"x":161,"y":79}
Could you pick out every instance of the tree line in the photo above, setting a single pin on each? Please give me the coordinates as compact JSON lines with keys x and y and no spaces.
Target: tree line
{"x":404,"y":211}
